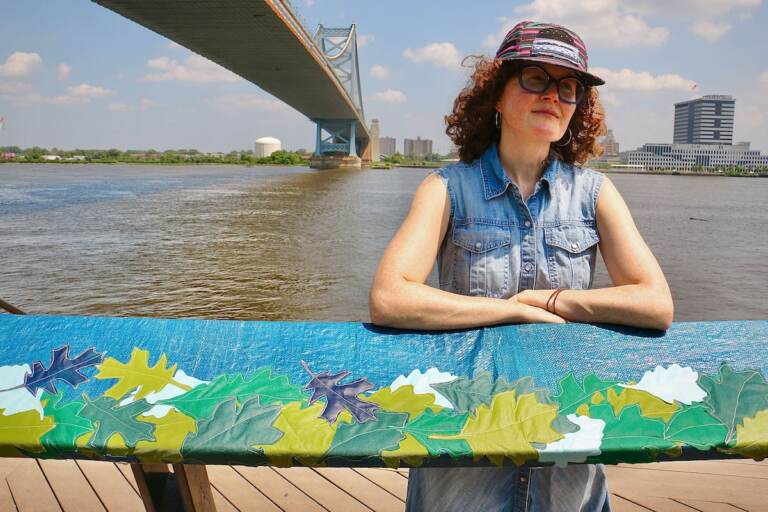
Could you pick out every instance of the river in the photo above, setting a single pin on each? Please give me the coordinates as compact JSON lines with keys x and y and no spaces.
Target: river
{"x":272,"y":243}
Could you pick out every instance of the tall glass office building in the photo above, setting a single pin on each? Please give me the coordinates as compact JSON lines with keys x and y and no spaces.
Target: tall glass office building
{"x":705,"y":120}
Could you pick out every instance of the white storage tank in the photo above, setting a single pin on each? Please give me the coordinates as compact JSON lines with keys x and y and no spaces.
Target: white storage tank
{"x":265,"y":146}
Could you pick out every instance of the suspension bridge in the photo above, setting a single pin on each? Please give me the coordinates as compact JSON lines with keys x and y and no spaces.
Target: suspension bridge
{"x":267,"y":43}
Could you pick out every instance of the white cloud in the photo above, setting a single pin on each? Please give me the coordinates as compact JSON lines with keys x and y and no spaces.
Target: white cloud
{"x":195,"y":69}
{"x":763,"y":79}
{"x":20,"y":64}
{"x":89,"y":91}
{"x":379,"y":72}
{"x":673,"y":384}
{"x":364,"y":39}
{"x":247,"y":101}
{"x":703,"y":8}
{"x":441,"y":55}
{"x":709,"y":30}
{"x":39,"y":99}
{"x":610,"y":99}
{"x":388,"y":96}
{"x":64,"y":70}
{"x":309,"y":3}
{"x":607,"y":23}
{"x":642,"y":80}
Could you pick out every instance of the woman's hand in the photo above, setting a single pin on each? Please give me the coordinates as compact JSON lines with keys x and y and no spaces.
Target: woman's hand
{"x":528,"y":310}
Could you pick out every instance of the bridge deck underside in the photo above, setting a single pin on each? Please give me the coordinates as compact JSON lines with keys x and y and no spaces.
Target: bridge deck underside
{"x":262,"y":44}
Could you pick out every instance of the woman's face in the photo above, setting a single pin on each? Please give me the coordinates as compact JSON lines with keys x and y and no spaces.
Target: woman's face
{"x":535,"y":116}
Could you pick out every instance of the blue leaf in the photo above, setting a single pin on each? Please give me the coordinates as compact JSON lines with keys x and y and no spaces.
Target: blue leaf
{"x":62,"y":368}
{"x":340,"y":396}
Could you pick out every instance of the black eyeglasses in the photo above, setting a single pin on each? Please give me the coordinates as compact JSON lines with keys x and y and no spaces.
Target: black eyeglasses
{"x":536,"y":80}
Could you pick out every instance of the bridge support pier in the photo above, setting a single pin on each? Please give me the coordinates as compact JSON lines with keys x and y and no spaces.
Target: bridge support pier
{"x":337,"y":150}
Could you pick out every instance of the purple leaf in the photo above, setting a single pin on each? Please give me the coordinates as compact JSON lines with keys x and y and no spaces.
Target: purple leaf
{"x":340,"y":397}
{"x":62,"y":368}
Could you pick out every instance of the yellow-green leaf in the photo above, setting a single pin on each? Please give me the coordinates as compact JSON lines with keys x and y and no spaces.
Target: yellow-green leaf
{"x":403,"y":399}
{"x":22,"y":431}
{"x":306,"y":435}
{"x":137,"y":373}
{"x":508,"y":427}
{"x":752,"y":437}
{"x":651,"y":406}
{"x":410,"y":451}
{"x":169,"y":433}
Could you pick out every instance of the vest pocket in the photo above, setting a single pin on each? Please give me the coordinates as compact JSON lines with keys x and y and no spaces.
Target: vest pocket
{"x":571,"y":251}
{"x":481,"y":265}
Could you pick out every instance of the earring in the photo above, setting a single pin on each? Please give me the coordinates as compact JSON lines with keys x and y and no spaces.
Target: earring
{"x":498,"y":120}
{"x":563,"y":144}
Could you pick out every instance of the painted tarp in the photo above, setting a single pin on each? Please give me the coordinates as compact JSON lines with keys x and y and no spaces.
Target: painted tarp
{"x":349,"y":394}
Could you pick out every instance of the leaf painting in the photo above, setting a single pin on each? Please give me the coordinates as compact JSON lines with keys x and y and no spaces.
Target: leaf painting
{"x":650,"y":405}
{"x":354,"y":442}
{"x":695,"y":426}
{"x":752,"y":437}
{"x":137,"y":374}
{"x":409,"y":451}
{"x":630,"y":436}
{"x":467,"y":394}
{"x":170,"y":432}
{"x":62,"y":368}
{"x":110,"y":418}
{"x":69,"y":425}
{"x":735,"y":395}
{"x":203,"y":399}
{"x":21,"y":432}
{"x":306,"y":435}
{"x":575,"y":447}
{"x":572,"y":394}
{"x":229,"y":435}
{"x":506,"y":428}
{"x":340,"y":397}
{"x":672,"y":384}
{"x":430,"y":424}
{"x":404,"y":399}
{"x":422,"y":383}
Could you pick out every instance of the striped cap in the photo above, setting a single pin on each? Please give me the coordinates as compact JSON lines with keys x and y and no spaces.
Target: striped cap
{"x":550,"y":43}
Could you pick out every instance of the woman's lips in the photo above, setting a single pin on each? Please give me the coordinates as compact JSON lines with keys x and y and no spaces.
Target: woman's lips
{"x":544,"y":112}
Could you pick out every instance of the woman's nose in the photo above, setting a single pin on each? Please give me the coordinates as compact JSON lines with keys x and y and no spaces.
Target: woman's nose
{"x":551,"y":92}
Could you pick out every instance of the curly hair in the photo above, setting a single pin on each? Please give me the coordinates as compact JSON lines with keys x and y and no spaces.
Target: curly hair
{"x":472,"y":123}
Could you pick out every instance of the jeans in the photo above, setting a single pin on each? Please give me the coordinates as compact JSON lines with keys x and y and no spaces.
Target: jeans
{"x":576,"y":488}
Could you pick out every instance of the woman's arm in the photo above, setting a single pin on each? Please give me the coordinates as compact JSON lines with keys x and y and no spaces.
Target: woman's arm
{"x":640,"y":296}
{"x":399,"y":297}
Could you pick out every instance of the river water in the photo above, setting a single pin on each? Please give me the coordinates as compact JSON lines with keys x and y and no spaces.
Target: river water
{"x":272,"y":243}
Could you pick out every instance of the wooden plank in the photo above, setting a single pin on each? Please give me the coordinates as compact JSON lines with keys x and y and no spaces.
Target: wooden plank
{"x":282,"y":492}
{"x":740,"y":491}
{"x":194,"y":487}
{"x":321,"y":490}
{"x":371,"y":495}
{"x":125,"y":469}
{"x":712,"y":467}
{"x":28,"y":486}
{"x":6,"y":498}
{"x":72,"y":490}
{"x":710,"y":506}
{"x":221,"y":502}
{"x":390,"y":481}
{"x":619,"y":504}
{"x":111,"y":486}
{"x":661,"y":504}
{"x":239,"y":491}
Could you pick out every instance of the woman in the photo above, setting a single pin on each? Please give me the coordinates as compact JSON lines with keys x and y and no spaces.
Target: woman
{"x":515,"y":229}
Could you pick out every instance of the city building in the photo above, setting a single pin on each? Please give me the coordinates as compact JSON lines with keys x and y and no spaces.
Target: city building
{"x":417,"y":147}
{"x":610,"y":145}
{"x":265,"y":146}
{"x":387,"y":146}
{"x":689,"y":156}
{"x":375,"y":149}
{"x":705,"y":120}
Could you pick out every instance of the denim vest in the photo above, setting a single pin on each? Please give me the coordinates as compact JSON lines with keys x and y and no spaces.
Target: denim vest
{"x":498,"y":245}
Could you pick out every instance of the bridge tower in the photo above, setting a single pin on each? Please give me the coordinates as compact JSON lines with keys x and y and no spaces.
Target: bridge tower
{"x":337,"y":145}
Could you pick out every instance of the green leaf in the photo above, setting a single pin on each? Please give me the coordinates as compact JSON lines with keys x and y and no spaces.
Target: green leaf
{"x":630,"y":437}
{"x":695,"y":426}
{"x":60,"y":441}
{"x":572,"y":394}
{"x":21,"y":432}
{"x":467,"y":394}
{"x":202,"y":400}
{"x":358,"y":441}
{"x":733,"y":396}
{"x":227,"y":437}
{"x":110,"y":418}
{"x":443,"y":423}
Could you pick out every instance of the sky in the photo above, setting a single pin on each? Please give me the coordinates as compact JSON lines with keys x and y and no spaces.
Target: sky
{"x":76,"y":75}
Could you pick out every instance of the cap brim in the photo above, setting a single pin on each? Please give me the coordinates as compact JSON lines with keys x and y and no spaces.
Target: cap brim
{"x":589,"y":79}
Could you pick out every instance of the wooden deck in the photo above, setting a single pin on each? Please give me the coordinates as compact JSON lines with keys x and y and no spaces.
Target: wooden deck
{"x":78,"y":486}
